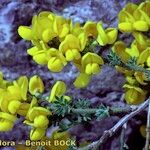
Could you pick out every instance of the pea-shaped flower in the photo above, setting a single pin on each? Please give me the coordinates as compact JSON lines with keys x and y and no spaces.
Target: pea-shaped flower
{"x":56,"y":60}
{"x":142,"y":13}
{"x":91,"y":63}
{"x":119,"y":48}
{"x":37,"y":118}
{"x":134,"y":95}
{"x":82,"y":80}
{"x":23,"y":109}
{"x":25,"y":32}
{"x":72,"y":46}
{"x":19,"y":88}
{"x":141,"y":41}
{"x":90,"y":29}
{"x":10,"y":105}
{"x":133,"y":51}
{"x":6,"y":121}
{"x":41,"y":28}
{"x":131,"y":19}
{"x":126,"y":18}
{"x":14,"y":106}
{"x":41,"y":121}
{"x":131,"y":80}
{"x":107,"y":36}
{"x":37,"y":134}
{"x":144,"y":57}
{"x":141,"y":78}
{"x":58,"y":90}
{"x":36,"y":111}
{"x":39,"y":53}
{"x":5,"y":98}
{"x":76,"y":28}
{"x":61,"y":26}
{"x":36,"y":85}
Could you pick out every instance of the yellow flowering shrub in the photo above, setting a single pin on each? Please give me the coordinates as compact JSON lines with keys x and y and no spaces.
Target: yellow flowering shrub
{"x":57,"y":41}
{"x":14,"y":100}
{"x":19,"y":98}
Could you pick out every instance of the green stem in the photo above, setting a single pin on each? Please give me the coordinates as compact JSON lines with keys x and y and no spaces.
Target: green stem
{"x":82,"y":111}
{"x":112,"y":110}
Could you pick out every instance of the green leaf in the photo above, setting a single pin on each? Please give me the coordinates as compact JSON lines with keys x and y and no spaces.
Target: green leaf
{"x":132,"y":61}
{"x":102,"y":112}
{"x":82,"y":103}
{"x":113,"y":58}
{"x":61,"y":106}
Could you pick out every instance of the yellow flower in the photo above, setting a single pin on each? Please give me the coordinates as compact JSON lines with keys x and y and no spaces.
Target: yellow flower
{"x":41,"y":29}
{"x":124,"y":71}
{"x":36,"y":85}
{"x":90,"y":29}
{"x":91,"y":63}
{"x":5,"y":98}
{"x":37,"y":118}
{"x":140,"y":77}
{"x":126,"y":18}
{"x":13,"y":106}
{"x":10,"y":105}
{"x":133,"y":18}
{"x":25,"y":32}
{"x":36,"y":111}
{"x":107,"y":36}
{"x":83,"y":40}
{"x":72,"y":46}
{"x":82,"y":80}
{"x":141,"y":26}
{"x":58,"y":90}
{"x":56,"y":60}
{"x":88,"y":65}
{"x":7,"y":121}
{"x":75,"y":29}
{"x":144,"y":57}
{"x":19,"y":88}
{"x":141,"y":41}
{"x":143,"y":13}
{"x":134,"y":95}
{"x":37,"y":134}
{"x":23,"y":109}
{"x":119,"y":48}
{"x":39,"y":25}
{"x":61,"y":26}
{"x":41,"y":121}
{"x":131,"y":80}
{"x":142,"y":20}
{"x":133,"y":51}
{"x":39,"y":53}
